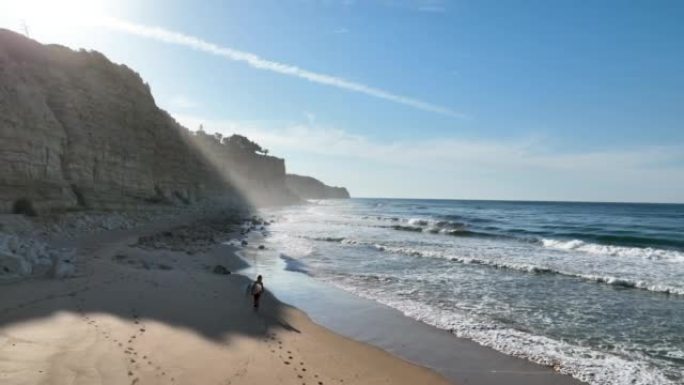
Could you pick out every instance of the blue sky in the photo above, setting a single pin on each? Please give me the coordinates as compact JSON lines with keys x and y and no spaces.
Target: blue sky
{"x":540,"y":100}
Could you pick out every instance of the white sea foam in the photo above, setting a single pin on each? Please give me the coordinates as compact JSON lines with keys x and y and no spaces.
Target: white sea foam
{"x":617,"y":251}
{"x":234,"y":242}
{"x":296,"y":247}
{"x":418,"y":222}
{"x":583,"y":363}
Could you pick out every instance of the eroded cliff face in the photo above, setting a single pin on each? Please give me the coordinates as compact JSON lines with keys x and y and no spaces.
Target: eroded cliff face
{"x":78,"y":131}
{"x":307,"y":187}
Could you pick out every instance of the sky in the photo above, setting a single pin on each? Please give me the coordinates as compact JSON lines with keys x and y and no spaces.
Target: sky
{"x":514,"y":100}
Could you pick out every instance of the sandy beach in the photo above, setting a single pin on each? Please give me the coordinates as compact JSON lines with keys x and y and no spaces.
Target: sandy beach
{"x":135,"y":314}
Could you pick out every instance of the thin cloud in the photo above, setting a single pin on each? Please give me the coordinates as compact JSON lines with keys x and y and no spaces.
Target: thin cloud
{"x":449,"y":152}
{"x":255,"y":61}
{"x":432,"y":8}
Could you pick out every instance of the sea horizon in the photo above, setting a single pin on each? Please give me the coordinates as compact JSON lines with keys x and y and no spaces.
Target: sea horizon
{"x":522,"y":200}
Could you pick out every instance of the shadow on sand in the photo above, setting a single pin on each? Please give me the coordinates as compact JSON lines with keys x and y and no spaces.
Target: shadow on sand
{"x":182,"y":292}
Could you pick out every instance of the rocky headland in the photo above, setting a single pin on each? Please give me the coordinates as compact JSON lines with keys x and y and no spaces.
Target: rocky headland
{"x":307,"y":187}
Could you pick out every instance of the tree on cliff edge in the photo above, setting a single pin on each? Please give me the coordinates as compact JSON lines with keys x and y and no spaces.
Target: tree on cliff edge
{"x":241,"y":142}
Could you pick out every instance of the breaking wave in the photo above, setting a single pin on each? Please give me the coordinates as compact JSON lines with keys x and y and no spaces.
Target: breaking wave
{"x":537,"y":269}
{"x":617,"y":251}
{"x":420,"y":225}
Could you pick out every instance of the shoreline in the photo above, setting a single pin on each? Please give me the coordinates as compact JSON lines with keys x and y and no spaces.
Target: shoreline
{"x":140,"y":312}
{"x":458,"y":359}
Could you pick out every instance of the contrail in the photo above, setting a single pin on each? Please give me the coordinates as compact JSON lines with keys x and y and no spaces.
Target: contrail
{"x":172,"y":37}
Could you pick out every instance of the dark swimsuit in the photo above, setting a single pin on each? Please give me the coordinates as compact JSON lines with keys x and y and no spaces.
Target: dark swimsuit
{"x":257,"y":296}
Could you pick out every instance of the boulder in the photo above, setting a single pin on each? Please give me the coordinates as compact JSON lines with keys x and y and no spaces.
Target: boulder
{"x":14,"y":265}
{"x":64,"y":268}
{"x":221,"y":270}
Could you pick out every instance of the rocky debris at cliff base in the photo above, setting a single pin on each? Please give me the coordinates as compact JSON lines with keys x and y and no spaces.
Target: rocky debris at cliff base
{"x":197,"y":237}
{"x":24,"y":251}
{"x":74,"y":223}
{"x":68,"y":225}
{"x":25,"y":257}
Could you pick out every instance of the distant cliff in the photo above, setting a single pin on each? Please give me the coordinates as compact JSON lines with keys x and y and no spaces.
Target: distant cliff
{"x":78,"y":131}
{"x":307,"y":187}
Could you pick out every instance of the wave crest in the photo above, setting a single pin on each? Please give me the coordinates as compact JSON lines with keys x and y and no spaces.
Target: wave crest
{"x":616,"y":251}
{"x":431,"y":226}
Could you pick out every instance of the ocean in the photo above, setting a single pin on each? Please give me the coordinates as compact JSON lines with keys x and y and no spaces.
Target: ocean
{"x":595,"y":290}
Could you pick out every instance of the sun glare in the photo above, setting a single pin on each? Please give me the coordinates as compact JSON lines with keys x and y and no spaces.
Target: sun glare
{"x":53,"y":16}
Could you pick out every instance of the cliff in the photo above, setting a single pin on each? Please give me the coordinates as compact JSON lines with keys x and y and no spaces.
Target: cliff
{"x":307,"y":187}
{"x":78,"y":131}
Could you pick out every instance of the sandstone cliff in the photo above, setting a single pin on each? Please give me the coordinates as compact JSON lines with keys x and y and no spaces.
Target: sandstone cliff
{"x":78,"y":131}
{"x":307,"y":187}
